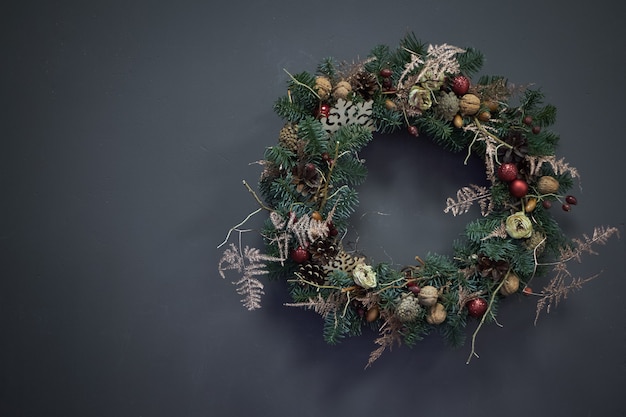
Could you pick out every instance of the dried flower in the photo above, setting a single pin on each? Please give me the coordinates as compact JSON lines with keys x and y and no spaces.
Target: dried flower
{"x":364,"y":276}
{"x":519,"y":226}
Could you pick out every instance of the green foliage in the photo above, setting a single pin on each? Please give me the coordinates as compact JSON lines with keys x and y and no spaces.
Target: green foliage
{"x":316,"y":137}
{"x":544,"y":143}
{"x":471,"y":61}
{"x":440,"y":131}
{"x":327,"y":67}
{"x":349,"y":170}
{"x":336,"y":328}
{"x":545,"y":116}
{"x":352,"y":138}
{"x":414,"y":331}
{"x":290,"y":111}
{"x":280,"y":156}
{"x":386,"y":120}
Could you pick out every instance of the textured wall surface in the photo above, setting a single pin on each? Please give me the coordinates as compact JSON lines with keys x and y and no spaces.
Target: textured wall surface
{"x":126,"y":130}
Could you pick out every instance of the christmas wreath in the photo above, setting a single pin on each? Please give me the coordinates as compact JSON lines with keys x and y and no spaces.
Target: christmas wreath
{"x":307,"y":188}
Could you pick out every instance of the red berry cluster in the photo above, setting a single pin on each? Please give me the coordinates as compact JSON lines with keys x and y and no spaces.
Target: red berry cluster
{"x":570,"y":201}
{"x":528,"y":121}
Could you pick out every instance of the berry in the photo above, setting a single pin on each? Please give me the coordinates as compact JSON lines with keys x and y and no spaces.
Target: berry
{"x":546,"y":204}
{"x":460,"y":85}
{"x":536,"y":129}
{"x":385,"y":73}
{"x":528,"y":120}
{"x":507,"y":172}
{"x":414,"y":289}
{"x":518,"y":188}
{"x":527,"y":291}
{"x":566,"y":207}
{"x":323,"y":111}
{"x":326,"y":156}
{"x":477,"y":307}
{"x":570,"y":199}
{"x":300,"y":255}
{"x":413,"y":130}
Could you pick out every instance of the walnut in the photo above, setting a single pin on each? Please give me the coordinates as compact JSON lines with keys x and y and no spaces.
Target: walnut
{"x":510,"y":285}
{"x":437,"y":314}
{"x":469,"y":104}
{"x":428,"y":296}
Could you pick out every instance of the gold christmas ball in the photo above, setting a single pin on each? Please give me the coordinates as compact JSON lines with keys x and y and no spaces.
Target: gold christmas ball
{"x":547,"y":185}
{"x":469,"y":104}
{"x":437,"y":314}
{"x":323,"y":87}
{"x":428,"y":296}
{"x":510,"y":285}
{"x":342,"y":90}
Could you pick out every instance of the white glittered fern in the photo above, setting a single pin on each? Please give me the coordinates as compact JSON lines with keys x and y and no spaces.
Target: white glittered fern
{"x":465,"y":199}
{"x":251,"y":263}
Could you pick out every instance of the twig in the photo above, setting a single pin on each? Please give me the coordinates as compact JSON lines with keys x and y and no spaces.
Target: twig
{"x":482,"y":321}
{"x":256,"y":197}
{"x":232,"y":229}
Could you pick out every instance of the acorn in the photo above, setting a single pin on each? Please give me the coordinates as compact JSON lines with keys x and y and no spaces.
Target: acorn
{"x":458,"y":121}
{"x":547,"y":185}
{"x":372,"y":314}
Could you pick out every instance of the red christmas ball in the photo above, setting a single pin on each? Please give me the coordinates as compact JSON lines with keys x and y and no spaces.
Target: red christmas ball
{"x":323,"y":111}
{"x":300,"y":255}
{"x":507,"y":172}
{"x":518,"y":188}
{"x":460,"y":85}
{"x":477,"y":307}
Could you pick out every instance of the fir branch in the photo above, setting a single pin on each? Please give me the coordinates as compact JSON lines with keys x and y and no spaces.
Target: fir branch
{"x":466,"y":197}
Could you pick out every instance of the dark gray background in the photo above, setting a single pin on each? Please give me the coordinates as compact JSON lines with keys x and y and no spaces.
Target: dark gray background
{"x":126,"y":131}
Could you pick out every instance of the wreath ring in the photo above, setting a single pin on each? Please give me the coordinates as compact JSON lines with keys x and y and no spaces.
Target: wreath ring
{"x":308,"y":182}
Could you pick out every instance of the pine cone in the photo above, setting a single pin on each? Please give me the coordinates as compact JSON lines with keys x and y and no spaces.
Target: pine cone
{"x":313,"y":273}
{"x":307,"y":180}
{"x":323,"y":250}
{"x":288,"y":137}
{"x":365,"y":84}
{"x":536,"y":240}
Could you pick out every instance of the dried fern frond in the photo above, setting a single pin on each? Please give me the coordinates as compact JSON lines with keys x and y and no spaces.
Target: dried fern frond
{"x":389,"y":335}
{"x":250,"y":263}
{"x":562,"y":283}
{"x":322,"y":306}
{"x":558,"y":166}
{"x":466,"y":197}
